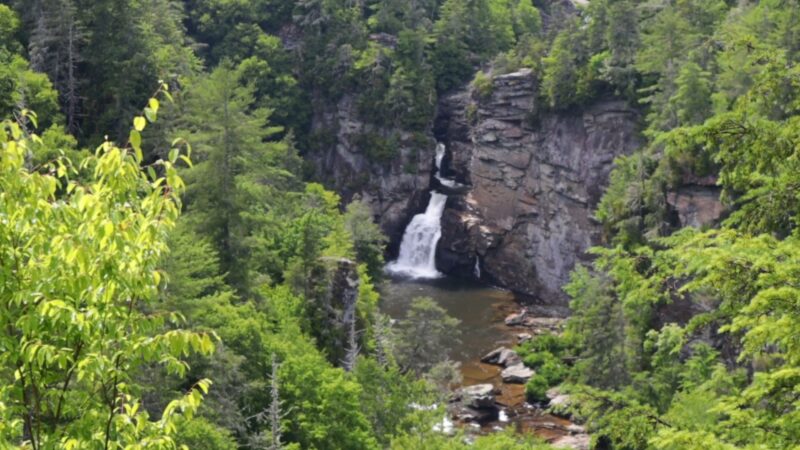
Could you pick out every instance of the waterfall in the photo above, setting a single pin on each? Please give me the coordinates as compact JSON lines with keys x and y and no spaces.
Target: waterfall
{"x":477,"y":270}
{"x":418,"y":249}
{"x":417,"y":257}
{"x":440,"y":149}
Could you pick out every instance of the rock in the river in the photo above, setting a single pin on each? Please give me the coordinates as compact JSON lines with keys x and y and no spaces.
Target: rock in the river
{"x":478,"y":396}
{"x":517,"y":373}
{"x":543,"y":324}
{"x":502,"y":357}
{"x":516,"y":318}
{"x":576,"y":429}
{"x":576,"y":442}
{"x":524,"y":337}
{"x":479,"y":415}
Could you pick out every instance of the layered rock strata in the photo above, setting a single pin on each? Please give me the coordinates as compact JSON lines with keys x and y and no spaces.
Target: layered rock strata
{"x":536,"y":178}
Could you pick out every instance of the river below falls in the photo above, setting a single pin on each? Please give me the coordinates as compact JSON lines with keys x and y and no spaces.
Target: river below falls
{"x":481,"y":310}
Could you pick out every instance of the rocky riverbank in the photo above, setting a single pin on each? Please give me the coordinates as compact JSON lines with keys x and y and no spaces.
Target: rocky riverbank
{"x":493,"y":392}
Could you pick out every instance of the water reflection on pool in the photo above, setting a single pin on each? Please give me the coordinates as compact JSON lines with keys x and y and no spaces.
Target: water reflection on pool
{"x":480,"y":308}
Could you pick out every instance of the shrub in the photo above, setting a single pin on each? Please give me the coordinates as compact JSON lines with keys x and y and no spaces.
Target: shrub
{"x":536,"y":360}
{"x":536,"y":389}
{"x":553,"y":370}
{"x":482,"y":84}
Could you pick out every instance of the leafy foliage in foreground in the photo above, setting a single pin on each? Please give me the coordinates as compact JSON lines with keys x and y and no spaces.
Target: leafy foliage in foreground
{"x":80,"y":259}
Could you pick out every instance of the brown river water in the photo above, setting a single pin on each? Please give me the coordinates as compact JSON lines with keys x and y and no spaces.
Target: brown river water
{"x":481,"y":310}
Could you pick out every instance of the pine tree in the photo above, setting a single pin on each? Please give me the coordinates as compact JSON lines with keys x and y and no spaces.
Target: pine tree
{"x":692,"y":101}
{"x":238,"y":169}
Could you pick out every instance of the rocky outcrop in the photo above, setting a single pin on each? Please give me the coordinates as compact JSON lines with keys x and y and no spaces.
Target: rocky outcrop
{"x":536,"y":178}
{"x":696,"y":202}
{"x":395,"y":187}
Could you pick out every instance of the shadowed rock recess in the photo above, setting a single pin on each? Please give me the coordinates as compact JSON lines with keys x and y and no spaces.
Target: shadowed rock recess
{"x":536,"y":179}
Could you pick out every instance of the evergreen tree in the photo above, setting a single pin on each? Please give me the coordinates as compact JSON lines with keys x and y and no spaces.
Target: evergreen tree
{"x":692,"y":100}
{"x":237,"y":167}
{"x":560,"y":80}
{"x":425,"y":335}
{"x":368,"y":240}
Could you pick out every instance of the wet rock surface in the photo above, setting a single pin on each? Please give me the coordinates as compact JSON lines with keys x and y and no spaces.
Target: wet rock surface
{"x":475,"y":404}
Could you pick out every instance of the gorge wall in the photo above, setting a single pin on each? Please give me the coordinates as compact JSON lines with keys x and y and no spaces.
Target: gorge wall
{"x":533,"y":179}
{"x":529,"y":180}
{"x":536,"y":179}
{"x":395,"y":189}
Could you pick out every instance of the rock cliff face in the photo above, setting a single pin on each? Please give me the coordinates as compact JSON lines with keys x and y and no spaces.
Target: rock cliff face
{"x":396,"y":189}
{"x":535,"y":179}
{"x":532,"y":180}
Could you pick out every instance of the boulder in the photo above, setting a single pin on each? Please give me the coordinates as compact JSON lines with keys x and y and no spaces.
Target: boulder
{"x":479,"y":415}
{"x":516,"y":318}
{"x":576,"y":429}
{"x":523,"y":338}
{"x":559,"y":402}
{"x":478,"y":396}
{"x":502,"y":357}
{"x":543,"y":323}
{"x":576,"y":442}
{"x":517,"y":373}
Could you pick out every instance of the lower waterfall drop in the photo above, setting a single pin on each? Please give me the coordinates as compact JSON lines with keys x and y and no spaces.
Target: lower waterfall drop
{"x":417,"y":258}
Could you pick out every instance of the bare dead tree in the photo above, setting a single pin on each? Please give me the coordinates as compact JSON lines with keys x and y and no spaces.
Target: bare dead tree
{"x":353,"y":349}
{"x":381,"y":353}
{"x":274,"y":414}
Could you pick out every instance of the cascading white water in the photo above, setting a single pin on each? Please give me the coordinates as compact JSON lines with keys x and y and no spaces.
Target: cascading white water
{"x":418,"y":249}
{"x":417,"y":257}
{"x":440,"y":149}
